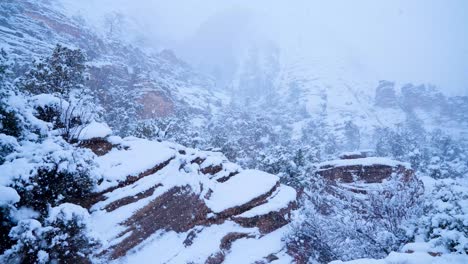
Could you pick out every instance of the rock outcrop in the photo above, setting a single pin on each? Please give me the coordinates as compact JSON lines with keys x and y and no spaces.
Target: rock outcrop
{"x":363,"y":169}
{"x":385,"y":95}
{"x":155,"y":193}
{"x":361,"y":174}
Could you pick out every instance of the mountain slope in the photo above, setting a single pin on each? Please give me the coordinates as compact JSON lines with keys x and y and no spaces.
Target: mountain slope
{"x":123,"y":77}
{"x":339,"y":92}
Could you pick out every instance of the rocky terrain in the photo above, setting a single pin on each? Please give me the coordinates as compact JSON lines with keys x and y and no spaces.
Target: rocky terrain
{"x":155,"y":85}
{"x":195,"y":206}
{"x":176,"y":166}
{"x":187,"y":205}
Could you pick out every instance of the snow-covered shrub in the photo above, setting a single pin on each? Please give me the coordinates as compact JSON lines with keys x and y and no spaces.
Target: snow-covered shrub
{"x":445,"y":220}
{"x":293,"y":165}
{"x":58,"y":173}
{"x":310,"y":235}
{"x":433,"y":153}
{"x":59,"y":74}
{"x":3,"y":63}
{"x":41,"y":170}
{"x":7,"y":146}
{"x":6,"y":224}
{"x":60,"y":79}
{"x":148,"y":129}
{"x":9,"y":122}
{"x":8,"y":197}
{"x":28,"y":238}
{"x":67,"y":238}
{"x":401,"y":144}
{"x":335,"y":223}
{"x":63,"y":238}
{"x":48,"y":109}
{"x":448,"y":158}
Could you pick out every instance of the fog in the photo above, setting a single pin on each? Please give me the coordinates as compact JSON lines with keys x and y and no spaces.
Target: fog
{"x":405,"y":41}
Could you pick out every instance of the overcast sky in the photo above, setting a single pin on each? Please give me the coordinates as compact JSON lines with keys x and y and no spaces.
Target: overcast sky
{"x":420,"y":41}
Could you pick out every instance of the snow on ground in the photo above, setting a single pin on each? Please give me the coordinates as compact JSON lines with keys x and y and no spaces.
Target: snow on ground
{"x":279,"y":200}
{"x":169,"y":246}
{"x":132,"y":156}
{"x":249,"y":250}
{"x":142,"y":154}
{"x":107,"y":223}
{"x":240,"y":189}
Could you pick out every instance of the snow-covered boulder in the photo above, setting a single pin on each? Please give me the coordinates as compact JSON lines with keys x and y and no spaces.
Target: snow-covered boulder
{"x":95,"y":130}
{"x":95,"y":136}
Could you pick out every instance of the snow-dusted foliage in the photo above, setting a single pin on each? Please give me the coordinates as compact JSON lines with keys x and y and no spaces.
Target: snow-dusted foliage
{"x":50,"y":172}
{"x":40,"y":170}
{"x":339,"y":223}
{"x":431,"y":153}
{"x":58,"y":74}
{"x":61,"y":97}
{"x":444,"y":224}
{"x":280,"y":111}
{"x":62,"y":238}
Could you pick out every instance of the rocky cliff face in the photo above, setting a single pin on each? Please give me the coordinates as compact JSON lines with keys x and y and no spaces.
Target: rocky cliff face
{"x":307,"y":88}
{"x":423,"y":104}
{"x":123,"y":77}
{"x":186,"y":206}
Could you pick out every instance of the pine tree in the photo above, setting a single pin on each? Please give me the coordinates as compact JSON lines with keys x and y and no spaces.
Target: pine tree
{"x":63,"y":76}
{"x":59,"y":74}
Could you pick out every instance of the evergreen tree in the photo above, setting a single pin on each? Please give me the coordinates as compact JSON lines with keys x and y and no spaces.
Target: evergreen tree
{"x":59,"y":74}
{"x":62,"y":75}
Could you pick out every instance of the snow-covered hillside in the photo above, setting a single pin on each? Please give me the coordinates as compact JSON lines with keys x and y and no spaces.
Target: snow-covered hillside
{"x":160,"y":83}
{"x":339,"y":91}
{"x":263,"y":152}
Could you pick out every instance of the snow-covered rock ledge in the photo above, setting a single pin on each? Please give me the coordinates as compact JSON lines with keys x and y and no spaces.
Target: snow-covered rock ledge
{"x":186,"y":205}
{"x":364,"y":169}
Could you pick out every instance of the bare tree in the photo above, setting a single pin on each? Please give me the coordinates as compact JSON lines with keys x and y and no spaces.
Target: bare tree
{"x":114,"y":22}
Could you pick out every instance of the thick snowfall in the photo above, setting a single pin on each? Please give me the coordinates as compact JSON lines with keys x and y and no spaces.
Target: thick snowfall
{"x":233,"y":137}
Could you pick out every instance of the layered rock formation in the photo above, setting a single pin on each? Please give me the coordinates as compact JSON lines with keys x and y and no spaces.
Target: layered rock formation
{"x":359,"y":173}
{"x":385,"y":95}
{"x":364,"y":169}
{"x":184,"y":205}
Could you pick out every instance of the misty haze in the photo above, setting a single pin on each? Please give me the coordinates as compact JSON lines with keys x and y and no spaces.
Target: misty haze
{"x":301,"y":131}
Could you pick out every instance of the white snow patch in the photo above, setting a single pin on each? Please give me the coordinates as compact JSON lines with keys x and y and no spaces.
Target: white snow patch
{"x":279,"y":200}
{"x":42,"y":100}
{"x":68,"y":212}
{"x":240,"y":189}
{"x":24,"y":213}
{"x":135,"y":157}
{"x":95,"y":130}
{"x":8,"y":195}
{"x":250,"y":250}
